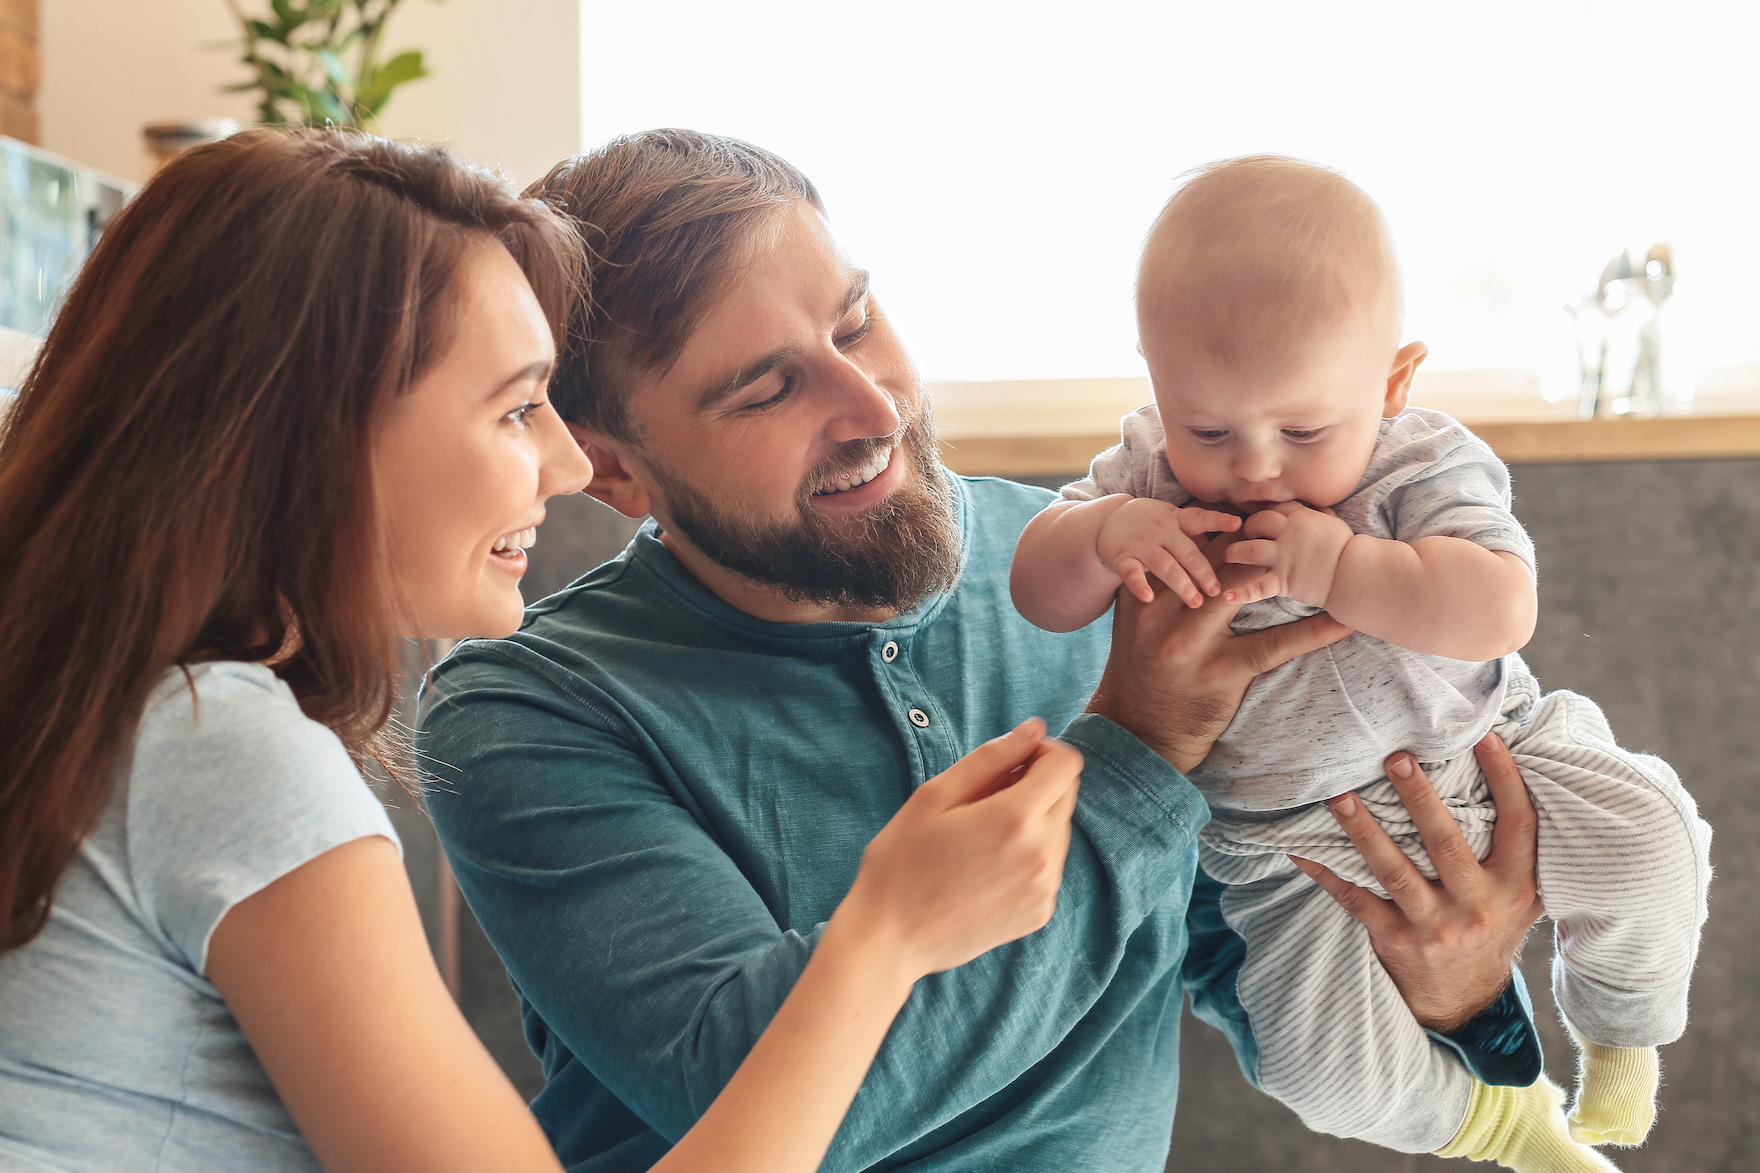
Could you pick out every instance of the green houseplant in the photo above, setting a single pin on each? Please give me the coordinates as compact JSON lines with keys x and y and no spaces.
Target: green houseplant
{"x":319,"y":62}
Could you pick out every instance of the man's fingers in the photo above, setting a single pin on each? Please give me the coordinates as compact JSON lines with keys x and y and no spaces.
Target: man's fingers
{"x":1456,"y":865}
{"x":1399,"y":877}
{"x":1267,"y":649}
{"x":1513,"y":838}
{"x":1374,"y":913}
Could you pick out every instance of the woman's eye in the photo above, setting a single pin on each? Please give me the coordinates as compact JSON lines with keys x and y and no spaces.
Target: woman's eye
{"x":522,"y":414}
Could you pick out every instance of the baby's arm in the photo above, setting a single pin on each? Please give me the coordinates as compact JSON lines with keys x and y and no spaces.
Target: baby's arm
{"x":1443,"y":596}
{"x":1074,"y":556}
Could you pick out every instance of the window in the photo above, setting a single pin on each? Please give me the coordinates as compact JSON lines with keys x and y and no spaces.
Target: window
{"x":996,"y":165}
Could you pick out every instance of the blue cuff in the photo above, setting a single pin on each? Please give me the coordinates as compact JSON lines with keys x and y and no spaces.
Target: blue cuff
{"x":1500,"y":1047}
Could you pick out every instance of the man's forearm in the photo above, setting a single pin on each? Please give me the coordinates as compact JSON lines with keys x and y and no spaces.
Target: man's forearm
{"x":1442,"y":596}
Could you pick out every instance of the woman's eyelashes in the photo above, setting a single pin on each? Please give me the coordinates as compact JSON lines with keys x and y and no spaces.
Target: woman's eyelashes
{"x":521,"y":416}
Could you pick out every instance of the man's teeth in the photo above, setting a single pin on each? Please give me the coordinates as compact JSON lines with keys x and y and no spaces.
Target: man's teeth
{"x":517,"y":540}
{"x":847,"y":481}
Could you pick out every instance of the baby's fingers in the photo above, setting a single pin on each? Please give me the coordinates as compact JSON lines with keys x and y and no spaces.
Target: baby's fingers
{"x":1135,"y":579}
{"x":1261,"y":552}
{"x":1183,"y":554}
{"x":1195,"y":522}
{"x":1263,"y":586}
{"x":1169,"y":571}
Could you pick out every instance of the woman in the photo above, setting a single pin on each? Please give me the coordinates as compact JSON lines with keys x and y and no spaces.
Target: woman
{"x":294,"y":408}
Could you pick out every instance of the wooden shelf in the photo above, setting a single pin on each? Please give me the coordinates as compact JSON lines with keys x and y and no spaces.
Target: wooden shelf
{"x":1054,"y":427}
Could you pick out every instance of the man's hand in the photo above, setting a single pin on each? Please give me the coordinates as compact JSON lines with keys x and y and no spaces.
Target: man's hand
{"x":1176,"y":675}
{"x":1145,"y":536}
{"x":1447,"y":943}
{"x":1297,"y":549}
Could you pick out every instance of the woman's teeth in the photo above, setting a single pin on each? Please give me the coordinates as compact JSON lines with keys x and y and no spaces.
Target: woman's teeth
{"x":849,"y":480}
{"x":508,"y":545}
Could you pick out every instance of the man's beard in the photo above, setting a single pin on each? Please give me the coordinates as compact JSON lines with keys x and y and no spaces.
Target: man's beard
{"x":893,"y":556}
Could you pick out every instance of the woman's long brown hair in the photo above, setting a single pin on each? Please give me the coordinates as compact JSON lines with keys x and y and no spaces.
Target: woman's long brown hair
{"x":187,"y":474}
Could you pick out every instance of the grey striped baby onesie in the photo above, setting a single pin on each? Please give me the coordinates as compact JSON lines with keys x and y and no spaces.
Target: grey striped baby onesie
{"x":1624,"y":857}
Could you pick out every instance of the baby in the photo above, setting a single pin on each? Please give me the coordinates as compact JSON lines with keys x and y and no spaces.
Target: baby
{"x":1270,"y":312}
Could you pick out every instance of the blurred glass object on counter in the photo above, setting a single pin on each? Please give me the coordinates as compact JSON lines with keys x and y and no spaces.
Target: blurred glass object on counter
{"x":52,"y":212}
{"x":1619,"y":336}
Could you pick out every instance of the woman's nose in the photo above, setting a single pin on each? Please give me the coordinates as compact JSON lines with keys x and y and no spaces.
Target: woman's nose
{"x":564,"y":468}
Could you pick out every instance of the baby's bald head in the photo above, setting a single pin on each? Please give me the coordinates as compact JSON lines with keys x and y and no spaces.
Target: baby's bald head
{"x":1253,"y":259}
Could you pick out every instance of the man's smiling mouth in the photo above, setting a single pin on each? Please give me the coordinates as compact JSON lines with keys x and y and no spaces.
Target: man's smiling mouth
{"x":844,"y":482}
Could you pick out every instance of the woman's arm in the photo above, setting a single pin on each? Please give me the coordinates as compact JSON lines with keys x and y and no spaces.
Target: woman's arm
{"x":330,"y":977}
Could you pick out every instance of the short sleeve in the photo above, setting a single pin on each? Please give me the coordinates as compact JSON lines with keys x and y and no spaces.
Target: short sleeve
{"x":1458,"y":488}
{"x":229,"y":790}
{"x":1128,"y":466}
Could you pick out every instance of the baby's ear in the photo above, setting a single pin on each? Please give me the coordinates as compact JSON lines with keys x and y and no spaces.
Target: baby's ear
{"x":1399,"y":379}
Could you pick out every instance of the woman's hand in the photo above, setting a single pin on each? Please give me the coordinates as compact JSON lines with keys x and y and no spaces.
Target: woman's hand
{"x":972,"y":860}
{"x":1177,"y":674}
{"x":1447,"y":943}
{"x":975,"y":857}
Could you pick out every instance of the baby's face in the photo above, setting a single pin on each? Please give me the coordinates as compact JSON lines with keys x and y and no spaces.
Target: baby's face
{"x":1301,"y":429}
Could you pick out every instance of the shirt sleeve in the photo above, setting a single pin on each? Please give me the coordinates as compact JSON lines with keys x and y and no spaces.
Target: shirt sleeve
{"x":644,"y":950}
{"x":1462,"y":492}
{"x":1126,"y":467}
{"x":228,"y":794}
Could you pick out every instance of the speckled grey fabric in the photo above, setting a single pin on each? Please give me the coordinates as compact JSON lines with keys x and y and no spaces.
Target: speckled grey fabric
{"x":1323,"y":723}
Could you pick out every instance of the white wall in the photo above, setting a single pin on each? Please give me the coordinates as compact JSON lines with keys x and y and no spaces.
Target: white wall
{"x":505,"y":87}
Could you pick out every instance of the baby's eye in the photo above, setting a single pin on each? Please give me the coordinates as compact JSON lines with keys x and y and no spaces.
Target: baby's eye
{"x":1302,"y":433}
{"x":1210,"y":435}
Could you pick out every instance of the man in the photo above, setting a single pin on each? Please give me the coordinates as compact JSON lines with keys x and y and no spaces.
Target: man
{"x":655,"y":793}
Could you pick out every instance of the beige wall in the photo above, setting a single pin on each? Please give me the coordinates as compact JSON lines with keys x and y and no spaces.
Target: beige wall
{"x":505,"y":87}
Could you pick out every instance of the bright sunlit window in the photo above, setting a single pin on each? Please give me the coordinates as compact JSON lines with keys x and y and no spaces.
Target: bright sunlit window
{"x":996,"y":165}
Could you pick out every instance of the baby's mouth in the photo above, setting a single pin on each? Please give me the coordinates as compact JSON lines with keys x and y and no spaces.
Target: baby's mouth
{"x":844,"y":482}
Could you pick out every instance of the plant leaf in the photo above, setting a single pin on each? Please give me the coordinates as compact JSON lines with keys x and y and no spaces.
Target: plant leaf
{"x":376,"y":88}
{"x":338,"y":73}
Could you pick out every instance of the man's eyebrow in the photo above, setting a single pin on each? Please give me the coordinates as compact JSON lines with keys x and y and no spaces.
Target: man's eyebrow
{"x":538,"y":371}
{"x":753,"y":371}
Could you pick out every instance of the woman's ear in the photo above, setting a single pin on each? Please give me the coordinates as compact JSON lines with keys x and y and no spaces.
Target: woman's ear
{"x":1399,"y":379}
{"x":613,"y":481}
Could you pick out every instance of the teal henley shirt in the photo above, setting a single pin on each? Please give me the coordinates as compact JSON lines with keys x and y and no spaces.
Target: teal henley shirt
{"x":653,"y":802}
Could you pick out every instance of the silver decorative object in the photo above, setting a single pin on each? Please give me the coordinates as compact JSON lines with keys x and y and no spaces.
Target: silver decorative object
{"x":1633,"y":286}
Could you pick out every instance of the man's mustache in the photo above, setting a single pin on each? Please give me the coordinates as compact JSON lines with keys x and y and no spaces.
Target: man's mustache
{"x":856,"y":453}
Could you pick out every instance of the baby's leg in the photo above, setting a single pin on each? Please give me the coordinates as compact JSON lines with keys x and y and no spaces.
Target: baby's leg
{"x":1338,"y":1044}
{"x":1623,"y":868}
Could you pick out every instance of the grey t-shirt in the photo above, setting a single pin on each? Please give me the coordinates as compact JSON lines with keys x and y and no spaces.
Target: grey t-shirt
{"x":1323,"y":723}
{"x":116,"y":1053}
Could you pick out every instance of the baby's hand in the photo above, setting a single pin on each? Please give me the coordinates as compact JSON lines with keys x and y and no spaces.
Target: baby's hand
{"x":1145,"y":536}
{"x":1299,"y":548}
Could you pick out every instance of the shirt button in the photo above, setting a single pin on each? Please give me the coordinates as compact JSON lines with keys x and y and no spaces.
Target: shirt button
{"x":889,"y":653}
{"x":919,"y":718}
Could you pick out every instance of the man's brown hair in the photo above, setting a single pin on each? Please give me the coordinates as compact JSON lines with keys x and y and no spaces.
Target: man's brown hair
{"x":187,"y":474}
{"x":668,"y":217}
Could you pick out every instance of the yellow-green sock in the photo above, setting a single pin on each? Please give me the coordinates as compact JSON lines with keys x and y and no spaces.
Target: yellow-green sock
{"x":1522,"y":1128}
{"x":1616,"y":1093}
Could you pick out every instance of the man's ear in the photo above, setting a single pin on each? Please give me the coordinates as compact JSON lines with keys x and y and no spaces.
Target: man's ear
{"x":613,"y":481}
{"x":1399,"y":380}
